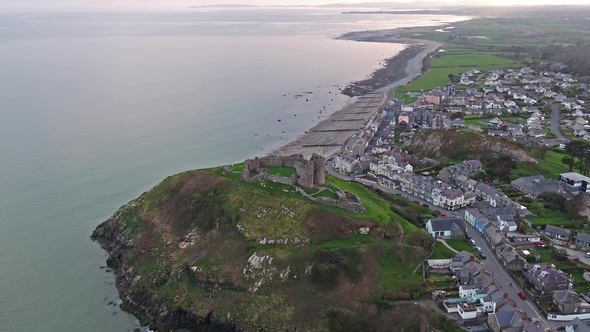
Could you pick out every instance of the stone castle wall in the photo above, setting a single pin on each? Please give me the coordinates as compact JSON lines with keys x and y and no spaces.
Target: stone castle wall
{"x":307,"y":173}
{"x":282,"y":179}
{"x":346,"y":201}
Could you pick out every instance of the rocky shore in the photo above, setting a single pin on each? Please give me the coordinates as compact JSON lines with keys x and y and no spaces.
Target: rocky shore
{"x":141,"y":303}
{"x":368,"y":95}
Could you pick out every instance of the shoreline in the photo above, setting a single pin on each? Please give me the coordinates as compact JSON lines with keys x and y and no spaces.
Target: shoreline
{"x":368,"y":95}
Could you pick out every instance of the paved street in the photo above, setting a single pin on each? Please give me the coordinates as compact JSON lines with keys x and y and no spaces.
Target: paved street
{"x":554,"y":126}
{"x":502,"y":277}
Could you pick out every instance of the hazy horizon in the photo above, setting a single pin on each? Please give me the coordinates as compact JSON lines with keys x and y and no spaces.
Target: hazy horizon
{"x":148,"y":5}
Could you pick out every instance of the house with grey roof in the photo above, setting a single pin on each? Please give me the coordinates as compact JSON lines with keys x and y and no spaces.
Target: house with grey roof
{"x":582,"y":241}
{"x":537,"y":185}
{"x":493,"y":235}
{"x":510,"y":259}
{"x":569,"y":302}
{"x":506,"y":317}
{"x":545,"y":278}
{"x":557,"y":233}
{"x":576,"y":325}
{"x":445,"y":227}
{"x":491,"y":195}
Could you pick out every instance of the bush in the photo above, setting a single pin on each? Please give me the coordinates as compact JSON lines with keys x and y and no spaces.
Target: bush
{"x":329,"y":264}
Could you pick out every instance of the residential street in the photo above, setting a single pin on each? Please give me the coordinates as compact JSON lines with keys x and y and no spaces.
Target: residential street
{"x":555,"y":117}
{"x":494,"y":267}
{"x":491,"y":264}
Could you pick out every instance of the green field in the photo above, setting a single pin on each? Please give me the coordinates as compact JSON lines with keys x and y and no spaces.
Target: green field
{"x":476,"y":60}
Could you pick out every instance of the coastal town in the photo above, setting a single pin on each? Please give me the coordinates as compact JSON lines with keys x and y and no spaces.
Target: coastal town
{"x":515,"y":274}
{"x":450,"y":191}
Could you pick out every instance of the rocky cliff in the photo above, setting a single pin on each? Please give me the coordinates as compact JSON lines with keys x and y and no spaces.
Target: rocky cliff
{"x":462,"y":144}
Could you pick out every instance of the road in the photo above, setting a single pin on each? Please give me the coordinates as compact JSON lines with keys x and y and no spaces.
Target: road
{"x":491,"y":264}
{"x":554,"y":126}
{"x":502,"y":277}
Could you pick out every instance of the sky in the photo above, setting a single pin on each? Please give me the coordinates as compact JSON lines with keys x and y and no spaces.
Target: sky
{"x":183,"y":4}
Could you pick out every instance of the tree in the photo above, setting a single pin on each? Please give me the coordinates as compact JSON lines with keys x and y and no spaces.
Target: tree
{"x":458,"y":115}
{"x":574,"y":206}
{"x":501,"y":166}
{"x":451,"y":77}
{"x":567,"y":160}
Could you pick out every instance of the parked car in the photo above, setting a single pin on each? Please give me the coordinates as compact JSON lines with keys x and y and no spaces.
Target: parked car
{"x":478,"y":249}
{"x":472,"y":242}
{"x":482,"y":255}
{"x":425,"y":205}
{"x":468,"y":236}
{"x":416,"y":202}
{"x":443,"y":215}
{"x":454,"y":212}
{"x":522,"y":296}
{"x":398,"y":194}
{"x":437,"y":211}
{"x":540,"y":243}
{"x":587,"y":255}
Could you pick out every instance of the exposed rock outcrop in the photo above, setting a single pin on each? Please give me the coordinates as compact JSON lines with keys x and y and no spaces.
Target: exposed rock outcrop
{"x":462,"y":144}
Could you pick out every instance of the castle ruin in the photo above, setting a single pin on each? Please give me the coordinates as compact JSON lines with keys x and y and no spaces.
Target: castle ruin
{"x":306,"y":173}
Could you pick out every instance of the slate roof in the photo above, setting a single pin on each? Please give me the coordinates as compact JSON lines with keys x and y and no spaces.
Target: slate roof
{"x":495,"y":237}
{"x":537,"y":184}
{"x":462,"y":256}
{"x":566,"y":296}
{"x":557,"y":230}
{"x":546,"y":275}
{"x":447,"y":224}
{"x":583,"y":237}
{"x":576,"y":325}
{"x":508,"y":316}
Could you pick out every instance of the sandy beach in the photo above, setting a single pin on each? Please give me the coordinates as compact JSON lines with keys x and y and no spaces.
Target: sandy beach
{"x":329,"y":136}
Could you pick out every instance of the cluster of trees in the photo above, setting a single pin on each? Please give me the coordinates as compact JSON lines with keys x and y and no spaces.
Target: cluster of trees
{"x":578,"y":156}
{"x":572,"y":207}
{"x":498,"y":167}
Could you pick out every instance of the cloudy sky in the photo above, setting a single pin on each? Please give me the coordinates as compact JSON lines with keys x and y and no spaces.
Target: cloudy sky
{"x":180,"y":4}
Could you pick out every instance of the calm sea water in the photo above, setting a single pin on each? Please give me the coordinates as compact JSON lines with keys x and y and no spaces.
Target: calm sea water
{"x":97,"y":108}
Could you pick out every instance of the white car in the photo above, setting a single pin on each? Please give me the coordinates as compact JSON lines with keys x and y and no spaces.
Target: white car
{"x":478,"y":249}
{"x":587,"y":255}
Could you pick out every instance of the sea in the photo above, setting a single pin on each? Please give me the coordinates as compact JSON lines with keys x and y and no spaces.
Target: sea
{"x":96,"y":108}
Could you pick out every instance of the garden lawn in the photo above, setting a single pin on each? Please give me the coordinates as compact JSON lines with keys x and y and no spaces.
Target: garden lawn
{"x":442,"y":252}
{"x":461,"y":245}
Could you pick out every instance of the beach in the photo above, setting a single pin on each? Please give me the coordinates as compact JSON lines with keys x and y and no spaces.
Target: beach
{"x":368,"y":95}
